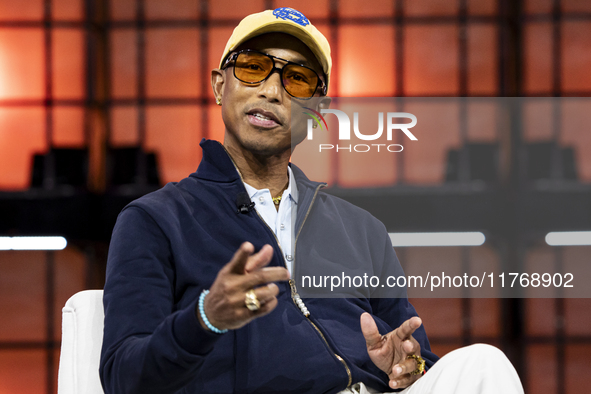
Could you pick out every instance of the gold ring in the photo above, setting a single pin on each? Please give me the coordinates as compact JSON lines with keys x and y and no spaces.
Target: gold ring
{"x":420,"y":364}
{"x":251,"y":301}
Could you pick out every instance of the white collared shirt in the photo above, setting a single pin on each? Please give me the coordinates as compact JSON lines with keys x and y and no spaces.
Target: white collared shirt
{"x":279,"y":221}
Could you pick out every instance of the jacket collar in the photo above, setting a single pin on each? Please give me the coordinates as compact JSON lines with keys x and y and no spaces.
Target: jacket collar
{"x":217,"y":165}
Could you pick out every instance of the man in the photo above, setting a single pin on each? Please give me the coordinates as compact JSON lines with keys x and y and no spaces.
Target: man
{"x":198,"y":297}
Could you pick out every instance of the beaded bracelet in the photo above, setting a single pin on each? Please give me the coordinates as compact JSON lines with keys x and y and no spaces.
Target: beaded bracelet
{"x":204,"y":318}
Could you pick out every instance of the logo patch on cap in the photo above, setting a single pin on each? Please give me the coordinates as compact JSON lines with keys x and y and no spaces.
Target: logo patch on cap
{"x":290,"y":14}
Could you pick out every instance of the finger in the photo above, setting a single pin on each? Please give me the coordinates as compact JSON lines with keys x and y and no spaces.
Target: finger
{"x":403,"y":368}
{"x":246,"y":314}
{"x":407,"y":328}
{"x":264,"y":309}
{"x":238,"y":262}
{"x":264,"y":276}
{"x":373,"y":339}
{"x":411,"y":346}
{"x":259,"y":259}
{"x":403,"y":381}
{"x":266,"y":293}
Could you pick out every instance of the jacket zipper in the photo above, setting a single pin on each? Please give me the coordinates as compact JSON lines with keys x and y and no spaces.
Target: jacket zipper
{"x":298,"y":300}
{"x":295,"y":297}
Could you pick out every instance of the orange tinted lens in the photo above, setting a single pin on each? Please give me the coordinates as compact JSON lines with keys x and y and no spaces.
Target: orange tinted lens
{"x":299,"y":81}
{"x":252,"y":67}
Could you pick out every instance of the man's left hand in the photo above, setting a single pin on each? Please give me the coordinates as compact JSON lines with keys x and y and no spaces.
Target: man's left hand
{"x":389,"y":352}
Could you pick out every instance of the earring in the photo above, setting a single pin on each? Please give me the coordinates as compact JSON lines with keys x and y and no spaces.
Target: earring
{"x":218,"y":101}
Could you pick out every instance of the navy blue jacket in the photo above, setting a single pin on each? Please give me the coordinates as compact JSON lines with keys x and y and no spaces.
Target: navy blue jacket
{"x":169,"y":245}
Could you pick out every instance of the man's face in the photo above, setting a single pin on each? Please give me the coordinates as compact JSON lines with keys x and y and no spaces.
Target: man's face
{"x":258,"y":117}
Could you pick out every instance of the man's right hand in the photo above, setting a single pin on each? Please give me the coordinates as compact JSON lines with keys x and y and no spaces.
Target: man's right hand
{"x":225,"y":306}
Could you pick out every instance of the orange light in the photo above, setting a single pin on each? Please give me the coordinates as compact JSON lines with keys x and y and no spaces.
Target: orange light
{"x":2,"y":73}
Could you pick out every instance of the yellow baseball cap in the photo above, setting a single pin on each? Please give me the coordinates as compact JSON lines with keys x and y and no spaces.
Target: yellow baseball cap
{"x":282,"y":20}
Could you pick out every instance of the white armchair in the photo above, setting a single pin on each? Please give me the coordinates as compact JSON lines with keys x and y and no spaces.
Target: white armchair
{"x":82,"y":338}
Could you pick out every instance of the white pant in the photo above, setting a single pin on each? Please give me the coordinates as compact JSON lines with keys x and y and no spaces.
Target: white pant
{"x":475,"y":369}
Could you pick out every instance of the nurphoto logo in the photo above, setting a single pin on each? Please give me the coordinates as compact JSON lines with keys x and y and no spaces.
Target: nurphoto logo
{"x":344,"y":124}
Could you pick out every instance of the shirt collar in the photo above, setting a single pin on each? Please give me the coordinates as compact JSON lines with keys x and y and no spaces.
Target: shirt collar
{"x":292,"y":189}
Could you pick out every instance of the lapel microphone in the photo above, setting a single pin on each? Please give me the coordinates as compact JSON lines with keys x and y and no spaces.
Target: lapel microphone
{"x":243,"y":203}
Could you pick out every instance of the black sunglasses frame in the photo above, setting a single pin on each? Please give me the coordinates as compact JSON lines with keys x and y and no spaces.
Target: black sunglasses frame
{"x":320,"y":84}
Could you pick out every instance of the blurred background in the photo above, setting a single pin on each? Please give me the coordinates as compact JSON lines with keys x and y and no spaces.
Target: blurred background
{"x":103,"y":101}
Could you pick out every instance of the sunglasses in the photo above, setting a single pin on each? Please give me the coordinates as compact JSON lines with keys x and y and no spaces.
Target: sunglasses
{"x":254,"y":67}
